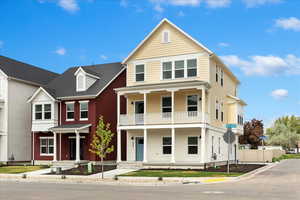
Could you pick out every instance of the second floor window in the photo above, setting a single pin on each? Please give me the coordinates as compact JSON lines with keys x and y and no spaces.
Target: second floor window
{"x":217,"y":110}
{"x":84,"y":110}
{"x":217,"y":73}
{"x":192,"y":68}
{"x":166,"y":107}
{"x":38,"y":112}
{"x":192,"y":105}
{"x":139,"y":73}
{"x":47,"y":111}
{"x":222,"y":112}
{"x":179,"y":69}
{"x":222,"y":78}
{"x":167,"y":70}
{"x":70,"y":111}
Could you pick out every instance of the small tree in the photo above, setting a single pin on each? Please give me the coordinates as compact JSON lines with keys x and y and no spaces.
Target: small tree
{"x":252,"y":132}
{"x":101,"y":144}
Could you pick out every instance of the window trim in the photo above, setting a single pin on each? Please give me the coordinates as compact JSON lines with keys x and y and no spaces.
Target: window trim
{"x":161,"y":107}
{"x":162,"y":70}
{"x":163,"y":37}
{"x":39,"y":104}
{"x":135,"y":73}
{"x":217,"y":110}
{"x":47,"y":146}
{"x":162,"y":144}
{"x":84,"y":82}
{"x":66,"y":103}
{"x":184,"y":68}
{"x":84,"y":119}
{"x":193,"y":145}
{"x":43,"y":111}
{"x":187,"y":69}
{"x":187,"y":103}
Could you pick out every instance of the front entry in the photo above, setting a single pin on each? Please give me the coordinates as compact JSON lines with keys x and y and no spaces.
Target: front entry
{"x":72,"y":144}
{"x":139,"y":112}
{"x":139,"y":148}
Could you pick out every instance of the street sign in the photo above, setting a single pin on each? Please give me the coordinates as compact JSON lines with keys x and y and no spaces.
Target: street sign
{"x":263,"y":137}
{"x":231,"y":126}
{"x":229,"y":136}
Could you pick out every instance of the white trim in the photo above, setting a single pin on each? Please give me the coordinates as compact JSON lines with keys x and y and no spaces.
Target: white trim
{"x":83,"y":119}
{"x":151,"y":33}
{"x":83,"y":86}
{"x":66,"y":103}
{"x":37,"y":92}
{"x":74,"y":137}
{"x":140,"y":73}
{"x":86,"y":73}
{"x":162,"y":145}
{"x":163,"y":38}
{"x":47,"y":145}
{"x":189,"y":136}
{"x":198,"y":106}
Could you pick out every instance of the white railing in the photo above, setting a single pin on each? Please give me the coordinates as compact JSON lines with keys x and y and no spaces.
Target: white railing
{"x":163,"y":118}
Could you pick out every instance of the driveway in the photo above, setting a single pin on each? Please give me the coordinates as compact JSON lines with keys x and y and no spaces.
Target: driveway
{"x":279,"y":182}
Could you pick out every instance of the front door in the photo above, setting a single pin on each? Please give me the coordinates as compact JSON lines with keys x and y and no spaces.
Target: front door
{"x":139,"y":112}
{"x":139,"y":148}
{"x":72,"y":148}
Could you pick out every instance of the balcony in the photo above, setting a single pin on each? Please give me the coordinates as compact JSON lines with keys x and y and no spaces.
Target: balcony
{"x":162,"y":118}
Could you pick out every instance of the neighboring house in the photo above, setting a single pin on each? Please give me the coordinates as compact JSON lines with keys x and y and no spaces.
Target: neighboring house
{"x":180,"y":96}
{"x":65,"y":112}
{"x":17,"y":83}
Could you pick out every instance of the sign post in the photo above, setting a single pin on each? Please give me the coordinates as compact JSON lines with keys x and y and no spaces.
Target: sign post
{"x":229,"y":138}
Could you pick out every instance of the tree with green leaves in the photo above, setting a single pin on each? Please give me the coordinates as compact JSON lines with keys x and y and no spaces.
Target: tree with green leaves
{"x":101,"y":144}
{"x":285,"y":132}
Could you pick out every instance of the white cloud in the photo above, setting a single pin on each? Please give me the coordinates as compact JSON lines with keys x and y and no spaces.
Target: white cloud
{"x":217,"y":3}
{"x":69,"y":5}
{"x":124,"y":3}
{"x":291,"y":23}
{"x":265,"y":65}
{"x":255,"y":3}
{"x":177,"y":2}
{"x":279,"y":93}
{"x":61,"y":51}
{"x":223,"y":44}
{"x":103,"y":57}
{"x":1,"y":44}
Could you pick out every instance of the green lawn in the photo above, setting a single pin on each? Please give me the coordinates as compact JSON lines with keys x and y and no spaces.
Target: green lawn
{"x":19,"y":169}
{"x":179,"y":173}
{"x":287,"y":156}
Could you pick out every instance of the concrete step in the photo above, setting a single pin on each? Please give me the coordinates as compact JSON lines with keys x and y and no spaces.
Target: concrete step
{"x":130,"y":165}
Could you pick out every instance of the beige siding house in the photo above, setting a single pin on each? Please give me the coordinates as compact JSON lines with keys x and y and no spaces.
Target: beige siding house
{"x":179,"y":98}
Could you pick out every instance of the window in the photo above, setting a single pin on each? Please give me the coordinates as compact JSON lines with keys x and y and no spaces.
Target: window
{"x":217,"y":110}
{"x":240,"y":120}
{"x":167,"y":70}
{"x":166,"y":107}
{"x":212,"y":145}
{"x":192,"y":68}
{"x":70,"y":110}
{"x":46,"y":146}
{"x":167,"y":145}
{"x":139,"y":73}
{"x":217,"y":75}
{"x":192,"y":105}
{"x":192,"y":145}
{"x":179,"y":69}
{"x":222,"y":112}
{"x":80,"y":82}
{"x":84,"y":110}
{"x":219,"y":151}
{"x":222,"y":78}
{"x":47,"y":111}
{"x":38,"y":112}
{"x":165,"y":37}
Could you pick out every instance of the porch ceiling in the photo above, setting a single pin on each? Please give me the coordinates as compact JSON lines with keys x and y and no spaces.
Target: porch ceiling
{"x":71,"y":128}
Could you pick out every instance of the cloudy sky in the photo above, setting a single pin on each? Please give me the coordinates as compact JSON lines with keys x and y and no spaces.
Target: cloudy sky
{"x":258,"y":39}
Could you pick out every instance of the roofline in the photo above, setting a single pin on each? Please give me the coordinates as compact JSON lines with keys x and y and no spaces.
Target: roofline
{"x":76,"y":129}
{"x":156,"y":27}
{"x":238,"y":99}
{"x":36,"y":93}
{"x":91,"y":75}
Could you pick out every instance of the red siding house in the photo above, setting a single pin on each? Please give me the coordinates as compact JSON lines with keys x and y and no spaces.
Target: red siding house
{"x":65,"y":112}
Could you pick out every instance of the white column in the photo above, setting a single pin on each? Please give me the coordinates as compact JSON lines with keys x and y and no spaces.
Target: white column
{"x":118,"y":109}
{"x":77,"y":146}
{"x":145,"y":146}
{"x":173,"y":106}
{"x":203,"y":97}
{"x":54,"y":147}
{"x":119,"y":146}
{"x":145,"y":107}
{"x":203,"y":145}
{"x":59,"y":146}
{"x":173,"y":146}
{"x":33,"y":143}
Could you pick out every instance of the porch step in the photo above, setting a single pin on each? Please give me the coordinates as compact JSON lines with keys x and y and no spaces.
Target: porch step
{"x":130,"y":165}
{"x":67,"y":163}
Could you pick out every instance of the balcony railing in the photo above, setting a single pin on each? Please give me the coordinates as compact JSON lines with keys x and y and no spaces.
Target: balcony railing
{"x":162,"y":118}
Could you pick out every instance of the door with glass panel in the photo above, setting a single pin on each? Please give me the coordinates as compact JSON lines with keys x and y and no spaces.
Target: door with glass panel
{"x":139,"y":112}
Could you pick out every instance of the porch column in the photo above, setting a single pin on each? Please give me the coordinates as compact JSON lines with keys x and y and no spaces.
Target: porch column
{"x":203,"y":144}
{"x":173,"y":146}
{"x":59,"y":146}
{"x":203,"y":97}
{"x":145,"y":107}
{"x":145,"y":146}
{"x":77,"y":146}
{"x":119,"y":146}
{"x":54,"y":147}
{"x":118,"y":109}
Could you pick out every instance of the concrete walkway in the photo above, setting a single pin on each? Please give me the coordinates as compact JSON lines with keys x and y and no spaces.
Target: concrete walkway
{"x":113,"y":173}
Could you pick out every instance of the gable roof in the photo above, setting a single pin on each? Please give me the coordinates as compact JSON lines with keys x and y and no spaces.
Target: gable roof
{"x":25,"y":72}
{"x":64,"y":86}
{"x":153,"y":31}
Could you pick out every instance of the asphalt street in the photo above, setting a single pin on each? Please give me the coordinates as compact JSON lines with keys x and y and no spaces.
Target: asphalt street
{"x":280,"y":182}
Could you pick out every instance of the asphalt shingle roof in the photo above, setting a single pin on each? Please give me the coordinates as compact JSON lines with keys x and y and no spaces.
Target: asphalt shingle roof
{"x":26,"y":72}
{"x":65,"y":84}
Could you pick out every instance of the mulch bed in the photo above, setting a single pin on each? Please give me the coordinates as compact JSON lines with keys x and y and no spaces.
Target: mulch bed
{"x":83,"y":170}
{"x":239,"y":168}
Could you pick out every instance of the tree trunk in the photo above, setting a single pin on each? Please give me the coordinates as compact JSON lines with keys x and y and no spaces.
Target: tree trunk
{"x":102,"y":167}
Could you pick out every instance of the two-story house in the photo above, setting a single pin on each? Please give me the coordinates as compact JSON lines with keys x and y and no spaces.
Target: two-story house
{"x":65,"y":112}
{"x":180,"y":96}
{"x":18,"y":81}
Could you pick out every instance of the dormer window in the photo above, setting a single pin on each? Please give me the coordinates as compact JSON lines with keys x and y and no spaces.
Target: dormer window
{"x":165,"y":36}
{"x":85,"y":78}
{"x":80,"y":82}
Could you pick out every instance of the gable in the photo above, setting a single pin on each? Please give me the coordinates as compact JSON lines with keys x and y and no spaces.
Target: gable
{"x":40,"y":95}
{"x":179,"y":44}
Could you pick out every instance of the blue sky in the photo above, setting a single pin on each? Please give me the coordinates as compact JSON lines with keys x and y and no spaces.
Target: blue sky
{"x":258,"y":39}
